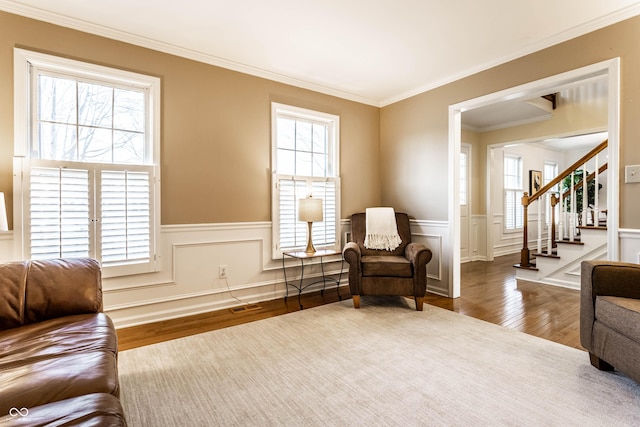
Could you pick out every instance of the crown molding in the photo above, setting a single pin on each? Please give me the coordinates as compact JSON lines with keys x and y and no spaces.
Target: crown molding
{"x":126,"y":37}
{"x":580,"y":30}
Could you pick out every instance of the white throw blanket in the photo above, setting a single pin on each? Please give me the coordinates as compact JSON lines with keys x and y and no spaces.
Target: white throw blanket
{"x":382,"y":230}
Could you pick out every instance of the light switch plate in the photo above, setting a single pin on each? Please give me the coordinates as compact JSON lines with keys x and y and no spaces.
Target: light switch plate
{"x":632,"y":173}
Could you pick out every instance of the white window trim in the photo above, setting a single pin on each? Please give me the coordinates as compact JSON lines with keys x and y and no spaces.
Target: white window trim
{"x":23,"y":60}
{"x":333,"y":121}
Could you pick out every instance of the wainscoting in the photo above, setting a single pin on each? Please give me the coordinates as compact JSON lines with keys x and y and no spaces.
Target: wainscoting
{"x":188,"y":282}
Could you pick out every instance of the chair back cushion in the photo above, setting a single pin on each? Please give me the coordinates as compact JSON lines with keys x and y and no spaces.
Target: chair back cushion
{"x":359,"y":230}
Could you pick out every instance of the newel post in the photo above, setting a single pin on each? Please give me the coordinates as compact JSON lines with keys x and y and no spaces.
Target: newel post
{"x":524,"y":253}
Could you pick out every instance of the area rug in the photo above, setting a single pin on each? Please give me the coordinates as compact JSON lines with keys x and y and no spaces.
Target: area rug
{"x":385,"y":364}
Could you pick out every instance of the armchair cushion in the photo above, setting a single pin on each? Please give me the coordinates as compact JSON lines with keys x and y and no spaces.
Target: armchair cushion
{"x":386,"y":266}
{"x":620,"y":314}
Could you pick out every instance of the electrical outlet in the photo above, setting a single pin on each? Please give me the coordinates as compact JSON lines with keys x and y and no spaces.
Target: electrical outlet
{"x":222,"y":272}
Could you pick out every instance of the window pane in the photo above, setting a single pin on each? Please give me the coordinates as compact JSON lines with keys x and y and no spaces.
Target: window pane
{"x":286,"y":133}
{"x":319,"y":138}
{"x":95,"y":145}
{"x":286,"y":162}
{"x":303,"y":136}
{"x":56,"y":99}
{"x":128,"y":147}
{"x":57,"y":141}
{"x":303,"y":163}
{"x":95,"y":105}
{"x":319,"y":165}
{"x":128,"y":112}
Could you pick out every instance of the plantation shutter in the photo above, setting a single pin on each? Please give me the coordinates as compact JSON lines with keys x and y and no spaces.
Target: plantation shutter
{"x":59,"y":202}
{"x":293,"y":233}
{"x":514,"y":214}
{"x":125,"y":216}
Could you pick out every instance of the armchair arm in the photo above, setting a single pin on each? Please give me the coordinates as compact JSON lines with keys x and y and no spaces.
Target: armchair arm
{"x":604,"y":278}
{"x":419,"y":256}
{"x":352,"y":255}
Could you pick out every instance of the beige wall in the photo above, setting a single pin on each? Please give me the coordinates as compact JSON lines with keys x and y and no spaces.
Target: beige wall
{"x":414,"y":131}
{"x":216,"y":127}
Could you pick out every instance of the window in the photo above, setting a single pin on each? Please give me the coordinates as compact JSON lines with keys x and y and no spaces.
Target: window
{"x":89,"y":162}
{"x":305,"y":162}
{"x":513,"y":211}
{"x":463,"y":178}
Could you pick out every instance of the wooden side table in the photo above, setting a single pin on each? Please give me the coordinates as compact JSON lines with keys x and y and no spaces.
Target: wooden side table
{"x":302,"y":256}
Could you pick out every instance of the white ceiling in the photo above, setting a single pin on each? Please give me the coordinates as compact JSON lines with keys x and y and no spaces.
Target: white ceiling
{"x":371,"y":51}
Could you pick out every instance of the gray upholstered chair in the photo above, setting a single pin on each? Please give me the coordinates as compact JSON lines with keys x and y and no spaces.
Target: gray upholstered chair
{"x":610,"y":315}
{"x":402,"y":271}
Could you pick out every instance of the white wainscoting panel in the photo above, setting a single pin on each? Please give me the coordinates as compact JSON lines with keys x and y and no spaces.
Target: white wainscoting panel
{"x":629,"y":245}
{"x":435,"y":235}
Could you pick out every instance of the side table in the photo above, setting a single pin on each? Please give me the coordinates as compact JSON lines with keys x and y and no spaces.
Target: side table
{"x":302,"y":256}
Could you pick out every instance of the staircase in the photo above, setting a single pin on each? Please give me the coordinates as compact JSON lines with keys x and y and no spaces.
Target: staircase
{"x":567,"y":243}
{"x":561,"y":267}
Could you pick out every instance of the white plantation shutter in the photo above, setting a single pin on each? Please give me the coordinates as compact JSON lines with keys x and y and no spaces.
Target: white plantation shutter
{"x":125,"y":220}
{"x":59,"y":212}
{"x":292,"y":234}
{"x":514,"y":214}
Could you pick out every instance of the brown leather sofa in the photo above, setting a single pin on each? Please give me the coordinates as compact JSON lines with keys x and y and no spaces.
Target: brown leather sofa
{"x":402,"y":271}
{"x":610,"y":315}
{"x":58,"y":351}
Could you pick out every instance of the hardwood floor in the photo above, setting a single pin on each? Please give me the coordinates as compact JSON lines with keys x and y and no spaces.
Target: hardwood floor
{"x":489,"y":291}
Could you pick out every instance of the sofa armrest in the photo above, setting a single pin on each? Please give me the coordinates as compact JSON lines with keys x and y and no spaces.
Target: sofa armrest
{"x":352,"y":255}
{"x":604,"y":278}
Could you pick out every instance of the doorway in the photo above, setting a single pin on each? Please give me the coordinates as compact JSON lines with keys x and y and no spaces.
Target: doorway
{"x":610,"y":70}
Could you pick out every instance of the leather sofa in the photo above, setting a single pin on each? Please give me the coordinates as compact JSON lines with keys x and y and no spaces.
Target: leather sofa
{"x":610,"y":315}
{"x":58,"y":350}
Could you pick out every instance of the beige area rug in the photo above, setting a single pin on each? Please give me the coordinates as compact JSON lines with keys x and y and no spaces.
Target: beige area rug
{"x":382,"y":365}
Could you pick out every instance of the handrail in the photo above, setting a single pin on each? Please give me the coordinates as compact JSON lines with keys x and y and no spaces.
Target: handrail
{"x":580,"y":183}
{"x":527,"y":199}
{"x":584,"y":159}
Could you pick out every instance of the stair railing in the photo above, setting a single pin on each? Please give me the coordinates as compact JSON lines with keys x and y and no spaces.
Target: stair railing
{"x":553,"y":199}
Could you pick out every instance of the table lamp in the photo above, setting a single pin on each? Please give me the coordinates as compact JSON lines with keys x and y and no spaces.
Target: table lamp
{"x":310,"y":210}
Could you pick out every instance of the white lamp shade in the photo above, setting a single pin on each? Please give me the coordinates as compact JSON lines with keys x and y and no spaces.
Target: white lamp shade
{"x":4,"y":226}
{"x":310,"y":209}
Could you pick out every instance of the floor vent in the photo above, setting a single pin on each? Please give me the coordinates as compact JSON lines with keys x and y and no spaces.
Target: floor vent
{"x":245,"y":308}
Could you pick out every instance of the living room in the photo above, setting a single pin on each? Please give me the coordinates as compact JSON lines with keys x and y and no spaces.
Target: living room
{"x":215,"y":160}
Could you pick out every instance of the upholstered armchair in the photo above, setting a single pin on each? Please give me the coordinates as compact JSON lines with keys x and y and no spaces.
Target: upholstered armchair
{"x":402,"y":271}
{"x":610,"y":315}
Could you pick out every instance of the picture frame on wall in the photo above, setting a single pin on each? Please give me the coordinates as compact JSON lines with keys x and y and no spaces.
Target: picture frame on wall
{"x":535,"y":181}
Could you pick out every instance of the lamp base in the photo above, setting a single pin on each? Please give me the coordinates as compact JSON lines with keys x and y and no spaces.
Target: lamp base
{"x":310,"y":249}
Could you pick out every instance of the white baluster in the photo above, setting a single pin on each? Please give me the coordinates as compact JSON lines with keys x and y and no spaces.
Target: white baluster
{"x":596,"y":206}
{"x":547,"y":199}
{"x":539,"y":225}
{"x":585,"y":194}
{"x":572,"y":216}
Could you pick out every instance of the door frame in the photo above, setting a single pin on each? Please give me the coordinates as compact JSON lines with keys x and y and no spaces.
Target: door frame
{"x":609,"y":68}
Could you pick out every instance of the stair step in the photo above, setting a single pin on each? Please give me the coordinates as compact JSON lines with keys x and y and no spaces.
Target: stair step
{"x":553,"y":254}
{"x":531,"y":267}
{"x":592,"y":227}
{"x":568,"y":242}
